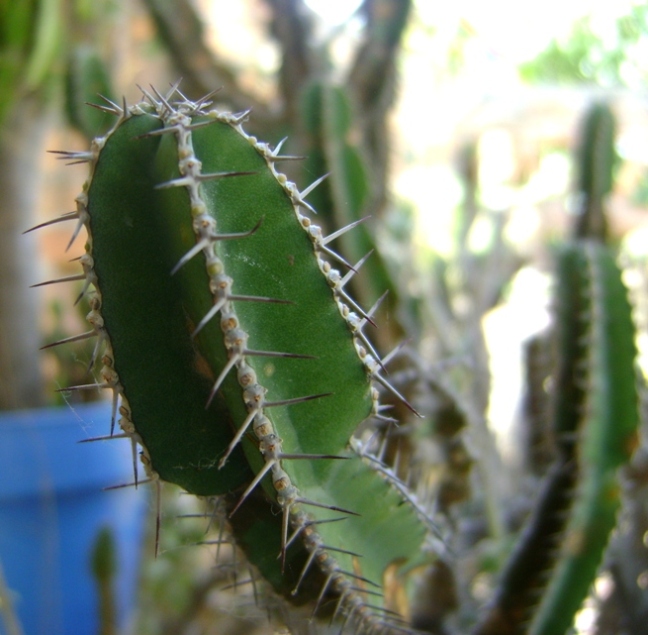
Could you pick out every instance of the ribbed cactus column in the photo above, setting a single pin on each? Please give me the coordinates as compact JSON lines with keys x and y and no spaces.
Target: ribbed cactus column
{"x":237,"y":359}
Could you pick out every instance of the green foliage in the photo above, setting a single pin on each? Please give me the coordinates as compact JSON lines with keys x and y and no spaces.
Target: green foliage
{"x":593,"y":53}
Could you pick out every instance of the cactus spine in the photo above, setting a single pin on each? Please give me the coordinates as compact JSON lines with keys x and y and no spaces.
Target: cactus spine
{"x":236,"y":357}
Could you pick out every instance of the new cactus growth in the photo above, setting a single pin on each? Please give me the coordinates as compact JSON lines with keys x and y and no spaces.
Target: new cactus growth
{"x":236,"y":357}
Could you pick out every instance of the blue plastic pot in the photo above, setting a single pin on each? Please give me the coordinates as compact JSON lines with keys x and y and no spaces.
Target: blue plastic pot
{"x":52,"y":507}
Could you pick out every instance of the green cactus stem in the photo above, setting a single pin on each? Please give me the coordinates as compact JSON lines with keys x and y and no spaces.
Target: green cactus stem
{"x":606,"y":430}
{"x":236,"y":356}
{"x":596,"y":159}
{"x":594,"y":422}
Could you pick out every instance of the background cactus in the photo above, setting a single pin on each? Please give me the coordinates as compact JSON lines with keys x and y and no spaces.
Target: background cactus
{"x":238,"y":280}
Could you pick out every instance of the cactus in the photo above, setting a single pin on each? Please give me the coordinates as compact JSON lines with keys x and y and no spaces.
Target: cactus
{"x":603,"y":417}
{"x":239,"y":363}
{"x":596,"y":160}
{"x":593,"y":420}
{"x":236,"y":357}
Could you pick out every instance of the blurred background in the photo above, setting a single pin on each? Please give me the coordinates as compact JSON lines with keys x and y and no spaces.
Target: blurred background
{"x":455,"y":126}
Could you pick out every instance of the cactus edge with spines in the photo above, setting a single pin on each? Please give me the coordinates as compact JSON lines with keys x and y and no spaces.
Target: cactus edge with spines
{"x":236,"y":357}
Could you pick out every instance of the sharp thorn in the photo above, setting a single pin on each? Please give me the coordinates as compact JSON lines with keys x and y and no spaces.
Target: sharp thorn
{"x":345,"y":296}
{"x":336,"y":256}
{"x":194,"y":251}
{"x":118,"y":110}
{"x":396,"y":394}
{"x":338,"y":550}
{"x":278,"y":147}
{"x":206,"y":97}
{"x":290,"y":402}
{"x":107,"y":437}
{"x":384,"y":418}
{"x":398,"y":616}
{"x":158,"y":132}
{"x":377,"y":303}
{"x":313,"y":522}
{"x":75,"y":233}
{"x":173,"y":88}
{"x":86,"y":286}
{"x":158,"y":515}
{"x":397,"y":349}
{"x":257,"y":479}
{"x":354,"y":270}
{"x":73,"y":157}
{"x":259,"y":298}
{"x":284,"y":535}
{"x":84,"y":387}
{"x":223,"y":175}
{"x":237,"y":438}
{"x":60,"y":219}
{"x":217,"y":384}
{"x":313,"y":457}
{"x":241,"y":234}
{"x":162,"y":99}
{"x":95,"y":353}
{"x":125,"y":485}
{"x":241,"y":116}
{"x":106,"y":109}
{"x":147,"y":95}
{"x":367,"y":591}
{"x":200,"y":124}
{"x":134,"y":458}
{"x":79,"y":276}
{"x":313,"y":185}
{"x":183,"y":181}
{"x":322,"y":593}
{"x":67,"y":340}
{"x":343,"y":230}
{"x":305,"y":501}
{"x":304,"y":571}
{"x":208,"y":316}
{"x":113,"y":412}
{"x":359,"y":577}
{"x":253,"y":353}
{"x":287,"y":157}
